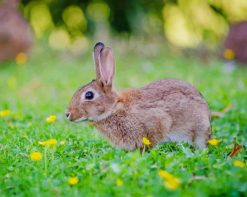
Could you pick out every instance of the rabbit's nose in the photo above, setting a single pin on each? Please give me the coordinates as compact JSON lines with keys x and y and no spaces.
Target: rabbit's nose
{"x":67,"y":115}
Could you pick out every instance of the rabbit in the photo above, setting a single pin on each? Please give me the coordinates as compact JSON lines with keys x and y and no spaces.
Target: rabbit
{"x":236,"y":40}
{"x":165,"y":110}
{"x":15,"y":34}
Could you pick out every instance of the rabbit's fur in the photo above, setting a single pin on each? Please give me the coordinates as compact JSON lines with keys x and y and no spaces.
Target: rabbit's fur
{"x":165,"y":110}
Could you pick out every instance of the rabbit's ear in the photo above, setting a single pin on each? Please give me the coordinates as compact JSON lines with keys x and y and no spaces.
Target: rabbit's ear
{"x":96,"y":54}
{"x":107,"y":66}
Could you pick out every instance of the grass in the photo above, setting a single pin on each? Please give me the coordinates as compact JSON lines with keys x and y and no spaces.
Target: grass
{"x":44,"y":85}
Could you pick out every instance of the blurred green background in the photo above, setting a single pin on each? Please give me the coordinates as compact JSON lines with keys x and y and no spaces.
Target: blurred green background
{"x":70,"y":24}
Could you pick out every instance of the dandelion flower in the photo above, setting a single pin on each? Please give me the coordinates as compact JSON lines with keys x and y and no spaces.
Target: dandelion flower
{"x":21,"y":58}
{"x":49,"y":142}
{"x":36,"y":156}
{"x":119,"y":182}
{"x":172,"y":184}
{"x":4,"y":113}
{"x":170,"y":181}
{"x":213,"y":141}
{"x":165,"y":175}
{"x":73,"y":180}
{"x":229,"y":54}
{"x":146,"y":141}
{"x":51,"y":119}
{"x":239,"y":164}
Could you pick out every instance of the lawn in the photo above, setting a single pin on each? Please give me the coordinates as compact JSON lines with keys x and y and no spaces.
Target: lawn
{"x":44,"y":85}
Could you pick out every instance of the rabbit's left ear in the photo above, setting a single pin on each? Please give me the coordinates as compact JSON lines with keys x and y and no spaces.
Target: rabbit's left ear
{"x":107,"y":66}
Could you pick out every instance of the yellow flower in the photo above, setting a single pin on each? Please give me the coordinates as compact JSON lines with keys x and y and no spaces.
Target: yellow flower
{"x":48,"y":142}
{"x":4,"y":113}
{"x":172,"y":184}
{"x":165,"y":175}
{"x":170,"y":181}
{"x":62,"y":142}
{"x":213,"y":141}
{"x":119,"y":182}
{"x":73,"y":180}
{"x":229,"y":54}
{"x":239,"y":164}
{"x":51,"y":119}
{"x":146,"y":141}
{"x":36,"y":156}
{"x":21,"y":58}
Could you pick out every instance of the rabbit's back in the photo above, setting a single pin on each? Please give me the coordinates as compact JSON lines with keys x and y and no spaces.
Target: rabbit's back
{"x":178,"y":98}
{"x":183,"y":107}
{"x":166,"y":87}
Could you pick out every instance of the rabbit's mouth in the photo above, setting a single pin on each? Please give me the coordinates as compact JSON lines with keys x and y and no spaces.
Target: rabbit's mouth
{"x":72,"y":119}
{"x":80,"y":119}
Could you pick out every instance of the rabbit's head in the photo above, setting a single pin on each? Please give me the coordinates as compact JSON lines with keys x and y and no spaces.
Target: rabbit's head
{"x":95,"y":100}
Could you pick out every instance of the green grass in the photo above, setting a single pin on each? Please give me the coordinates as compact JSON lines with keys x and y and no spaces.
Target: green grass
{"x":44,"y":86}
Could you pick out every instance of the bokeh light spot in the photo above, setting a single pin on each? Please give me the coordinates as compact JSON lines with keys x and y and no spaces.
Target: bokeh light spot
{"x":177,"y":30}
{"x":98,"y":11}
{"x":40,"y":18}
{"x":74,"y":18}
{"x":59,"y":39}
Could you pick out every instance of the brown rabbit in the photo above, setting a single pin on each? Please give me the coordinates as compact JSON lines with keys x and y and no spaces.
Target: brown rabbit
{"x":15,"y":34}
{"x":165,"y":110}
{"x":236,"y":40}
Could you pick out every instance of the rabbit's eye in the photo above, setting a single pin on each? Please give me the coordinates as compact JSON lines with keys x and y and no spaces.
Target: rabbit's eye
{"x":89,"y":95}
